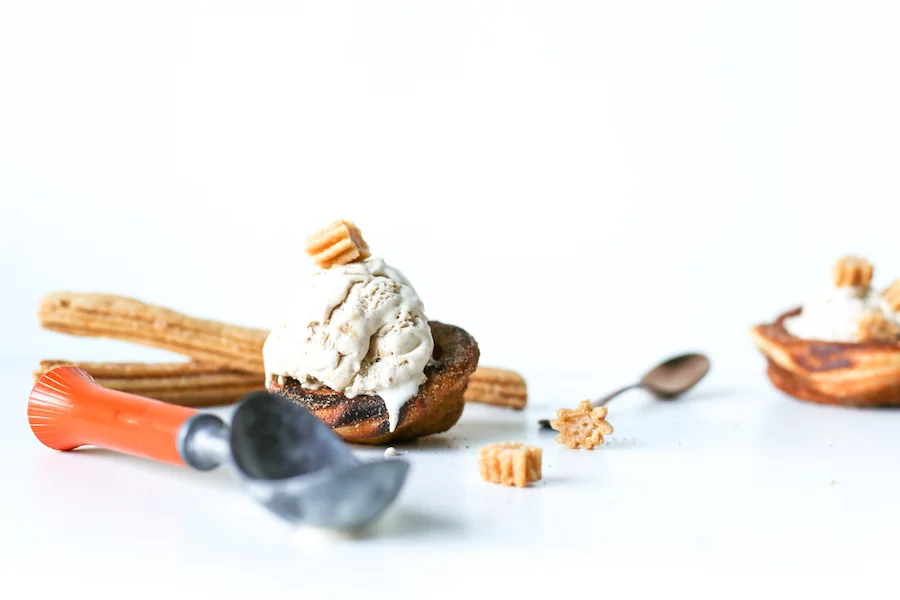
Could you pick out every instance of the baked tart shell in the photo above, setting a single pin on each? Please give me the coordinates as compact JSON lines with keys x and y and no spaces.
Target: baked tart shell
{"x":435,"y":408}
{"x":848,"y":374}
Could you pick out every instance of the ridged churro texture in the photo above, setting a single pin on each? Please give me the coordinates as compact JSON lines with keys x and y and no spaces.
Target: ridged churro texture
{"x":127,"y":319}
{"x":500,"y":387}
{"x":337,"y":244}
{"x":185,"y":383}
{"x":852,"y":271}
{"x":850,"y":374}
{"x":892,"y":296}
{"x":582,"y":427}
{"x":510,"y":463}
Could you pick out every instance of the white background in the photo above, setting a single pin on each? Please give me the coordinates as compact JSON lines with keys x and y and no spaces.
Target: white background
{"x":584,"y":186}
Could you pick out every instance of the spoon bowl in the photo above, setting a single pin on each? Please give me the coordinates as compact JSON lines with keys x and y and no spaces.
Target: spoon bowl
{"x":675,"y":376}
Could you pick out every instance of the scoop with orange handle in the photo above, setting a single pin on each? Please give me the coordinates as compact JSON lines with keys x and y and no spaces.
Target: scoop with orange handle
{"x":288,"y":459}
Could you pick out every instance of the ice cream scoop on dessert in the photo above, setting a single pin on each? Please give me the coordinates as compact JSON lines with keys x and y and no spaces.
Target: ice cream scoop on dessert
{"x":842,"y":346}
{"x":358,"y":329}
{"x":359,"y":352}
{"x":835,"y":312}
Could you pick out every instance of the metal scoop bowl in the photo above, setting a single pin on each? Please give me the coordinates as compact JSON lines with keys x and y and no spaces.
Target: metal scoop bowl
{"x":289,"y":460}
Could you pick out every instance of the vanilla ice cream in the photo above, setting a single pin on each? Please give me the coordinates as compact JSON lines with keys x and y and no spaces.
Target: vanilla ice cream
{"x":833,"y":314}
{"x":358,"y":329}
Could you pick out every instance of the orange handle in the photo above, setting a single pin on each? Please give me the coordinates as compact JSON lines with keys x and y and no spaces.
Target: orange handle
{"x":68,"y":409}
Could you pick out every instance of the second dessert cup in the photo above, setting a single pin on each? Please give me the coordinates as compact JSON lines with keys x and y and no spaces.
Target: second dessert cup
{"x":852,"y":374}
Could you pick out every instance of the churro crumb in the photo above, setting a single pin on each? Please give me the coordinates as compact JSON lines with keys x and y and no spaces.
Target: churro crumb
{"x":852,"y":271}
{"x":892,"y":296}
{"x":875,"y":327}
{"x":510,"y":463}
{"x":338,"y":244}
{"x":583,"y":427}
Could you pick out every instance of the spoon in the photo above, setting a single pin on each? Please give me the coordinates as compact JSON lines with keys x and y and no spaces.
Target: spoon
{"x":665,"y":381}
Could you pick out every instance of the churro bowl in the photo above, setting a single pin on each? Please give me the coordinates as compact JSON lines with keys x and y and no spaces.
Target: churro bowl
{"x":865,"y":374}
{"x":435,"y":408}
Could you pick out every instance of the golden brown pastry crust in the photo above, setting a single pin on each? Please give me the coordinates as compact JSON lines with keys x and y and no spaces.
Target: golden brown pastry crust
{"x":130,"y":320}
{"x":436,"y":408}
{"x":500,"y":387}
{"x":863,"y":374}
{"x":184,"y":383}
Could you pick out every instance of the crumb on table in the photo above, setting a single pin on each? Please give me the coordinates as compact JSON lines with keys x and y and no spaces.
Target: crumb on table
{"x":510,"y":463}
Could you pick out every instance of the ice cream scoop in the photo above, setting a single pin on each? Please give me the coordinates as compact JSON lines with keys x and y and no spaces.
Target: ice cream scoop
{"x":358,"y":329}
{"x":833,"y":314}
{"x":287,"y":459}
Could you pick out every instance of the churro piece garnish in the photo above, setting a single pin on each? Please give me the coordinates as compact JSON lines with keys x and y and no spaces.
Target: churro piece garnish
{"x":875,"y":327}
{"x":510,"y":463}
{"x":121,"y":318}
{"x":185,"y":383}
{"x":582,"y":427}
{"x":892,"y":296}
{"x":338,"y":244}
{"x":499,"y":387}
{"x":852,"y":271}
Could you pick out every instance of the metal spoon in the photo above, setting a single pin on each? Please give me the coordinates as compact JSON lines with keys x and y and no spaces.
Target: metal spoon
{"x":665,"y":381}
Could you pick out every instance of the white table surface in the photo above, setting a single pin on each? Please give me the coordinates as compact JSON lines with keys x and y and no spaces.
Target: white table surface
{"x":730,"y":483}
{"x":584,"y":186}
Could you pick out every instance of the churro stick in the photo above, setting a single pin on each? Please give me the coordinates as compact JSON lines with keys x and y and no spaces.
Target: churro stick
{"x":120,"y":318}
{"x":500,"y":387}
{"x":187,"y":384}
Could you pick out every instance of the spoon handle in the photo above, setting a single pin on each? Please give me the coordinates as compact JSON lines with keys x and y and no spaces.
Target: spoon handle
{"x":545,"y":423}
{"x":605,"y":399}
